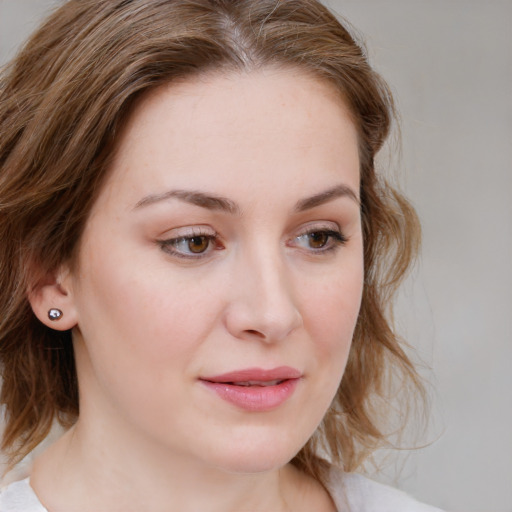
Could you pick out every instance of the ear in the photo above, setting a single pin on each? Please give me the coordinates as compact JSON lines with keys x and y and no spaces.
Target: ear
{"x":55,"y":292}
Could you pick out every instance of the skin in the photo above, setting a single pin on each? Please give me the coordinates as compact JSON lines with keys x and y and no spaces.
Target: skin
{"x":150,"y":317}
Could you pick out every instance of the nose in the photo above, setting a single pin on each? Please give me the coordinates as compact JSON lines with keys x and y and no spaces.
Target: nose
{"x":262,"y":305}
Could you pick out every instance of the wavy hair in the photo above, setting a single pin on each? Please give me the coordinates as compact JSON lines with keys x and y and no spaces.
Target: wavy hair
{"x":63,"y":101}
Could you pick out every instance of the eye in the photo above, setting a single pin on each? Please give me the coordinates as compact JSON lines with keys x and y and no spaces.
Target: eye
{"x":197,"y":244}
{"x":320,"y":240}
{"x":193,"y":246}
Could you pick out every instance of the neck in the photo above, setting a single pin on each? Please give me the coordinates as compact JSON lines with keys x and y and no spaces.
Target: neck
{"x":86,"y":471}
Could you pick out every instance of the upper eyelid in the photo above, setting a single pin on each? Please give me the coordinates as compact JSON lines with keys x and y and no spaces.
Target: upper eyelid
{"x":188,"y":232}
{"x":184,"y":232}
{"x":318,"y":226}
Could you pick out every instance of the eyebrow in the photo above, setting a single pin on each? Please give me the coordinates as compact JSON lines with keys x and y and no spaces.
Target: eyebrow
{"x":208,"y":201}
{"x":219,"y":203}
{"x":326,"y":196}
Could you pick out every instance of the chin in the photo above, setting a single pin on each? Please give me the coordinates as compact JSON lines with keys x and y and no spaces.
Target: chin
{"x":256,"y":456}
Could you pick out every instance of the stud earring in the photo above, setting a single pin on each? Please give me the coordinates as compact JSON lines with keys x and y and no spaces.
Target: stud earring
{"x":55,"y":314}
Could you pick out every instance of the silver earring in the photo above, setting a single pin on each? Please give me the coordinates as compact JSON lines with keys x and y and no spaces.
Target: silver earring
{"x":55,"y":314}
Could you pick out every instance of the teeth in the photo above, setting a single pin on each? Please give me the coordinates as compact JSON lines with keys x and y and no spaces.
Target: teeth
{"x":258,"y":383}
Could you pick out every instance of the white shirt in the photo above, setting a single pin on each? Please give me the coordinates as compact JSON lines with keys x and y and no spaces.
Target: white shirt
{"x":349,"y":491}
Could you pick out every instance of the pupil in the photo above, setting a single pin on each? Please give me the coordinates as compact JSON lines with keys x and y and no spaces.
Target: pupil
{"x":198,"y":244}
{"x":318,"y":240}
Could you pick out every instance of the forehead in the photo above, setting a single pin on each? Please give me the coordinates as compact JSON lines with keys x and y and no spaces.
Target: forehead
{"x":235,"y":96}
{"x":213,"y":128}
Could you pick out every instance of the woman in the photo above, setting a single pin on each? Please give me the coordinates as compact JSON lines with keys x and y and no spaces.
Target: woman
{"x":199,"y":260}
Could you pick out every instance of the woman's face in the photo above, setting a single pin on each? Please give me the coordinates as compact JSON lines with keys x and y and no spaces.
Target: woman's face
{"x":220,"y":272}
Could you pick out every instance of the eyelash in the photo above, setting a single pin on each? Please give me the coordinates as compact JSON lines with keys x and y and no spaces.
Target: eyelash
{"x":334,"y":240}
{"x":169,"y":245}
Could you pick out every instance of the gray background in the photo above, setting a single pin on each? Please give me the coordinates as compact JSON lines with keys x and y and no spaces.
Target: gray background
{"x":449,"y":63}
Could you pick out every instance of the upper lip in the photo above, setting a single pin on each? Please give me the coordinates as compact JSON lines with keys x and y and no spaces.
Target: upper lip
{"x":256,"y":374}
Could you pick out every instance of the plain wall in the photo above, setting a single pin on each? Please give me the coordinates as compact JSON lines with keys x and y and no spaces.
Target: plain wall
{"x":449,"y":63}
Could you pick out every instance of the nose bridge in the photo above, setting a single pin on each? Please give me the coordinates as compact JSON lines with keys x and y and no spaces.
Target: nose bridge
{"x":264,"y":304}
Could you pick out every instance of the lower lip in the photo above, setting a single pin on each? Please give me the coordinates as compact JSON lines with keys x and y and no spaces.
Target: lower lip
{"x":254,"y":398}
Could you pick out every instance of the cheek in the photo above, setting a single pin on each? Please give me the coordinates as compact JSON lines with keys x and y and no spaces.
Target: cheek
{"x":138,"y":314}
{"x":334,"y":306}
{"x":330,"y":317}
{"x":139,"y":334}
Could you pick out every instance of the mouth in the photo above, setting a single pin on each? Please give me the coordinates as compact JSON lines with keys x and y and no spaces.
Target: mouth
{"x":256,"y":376}
{"x":257,"y":383}
{"x":254,"y":389}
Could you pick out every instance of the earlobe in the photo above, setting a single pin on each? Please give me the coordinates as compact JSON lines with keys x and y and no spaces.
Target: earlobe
{"x":53,"y":303}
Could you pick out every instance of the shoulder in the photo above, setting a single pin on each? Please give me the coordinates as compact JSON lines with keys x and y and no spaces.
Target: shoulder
{"x":360,"y":494}
{"x":19,"y":497}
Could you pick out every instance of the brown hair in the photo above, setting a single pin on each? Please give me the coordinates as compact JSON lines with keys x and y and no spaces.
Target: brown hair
{"x":62,"y":102}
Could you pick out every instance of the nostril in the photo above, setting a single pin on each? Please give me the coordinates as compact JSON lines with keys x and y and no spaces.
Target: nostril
{"x":253,"y":332}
